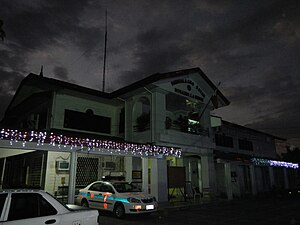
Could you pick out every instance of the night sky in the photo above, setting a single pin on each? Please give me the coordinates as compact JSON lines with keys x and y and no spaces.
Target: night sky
{"x":250,"y":46}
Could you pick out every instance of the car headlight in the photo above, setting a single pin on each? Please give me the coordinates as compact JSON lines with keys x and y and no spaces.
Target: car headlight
{"x":133,"y":200}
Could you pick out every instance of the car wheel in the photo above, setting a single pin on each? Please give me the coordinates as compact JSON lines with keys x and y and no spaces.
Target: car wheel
{"x":84,"y":203}
{"x":119,"y":211}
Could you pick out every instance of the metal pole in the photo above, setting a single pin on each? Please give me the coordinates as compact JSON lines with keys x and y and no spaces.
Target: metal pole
{"x":72,"y":178}
{"x":104,"y":58}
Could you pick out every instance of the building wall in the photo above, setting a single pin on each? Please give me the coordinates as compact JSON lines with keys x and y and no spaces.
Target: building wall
{"x":55,"y":178}
{"x":63,"y":101}
{"x":263,"y":146}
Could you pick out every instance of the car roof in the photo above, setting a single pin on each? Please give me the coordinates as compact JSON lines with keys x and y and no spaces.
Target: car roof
{"x":110,"y":182}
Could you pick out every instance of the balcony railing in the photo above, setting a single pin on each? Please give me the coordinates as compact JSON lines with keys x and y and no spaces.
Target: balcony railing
{"x":186,"y":125}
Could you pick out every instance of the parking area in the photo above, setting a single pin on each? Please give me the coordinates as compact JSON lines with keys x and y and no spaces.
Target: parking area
{"x":238,"y":212}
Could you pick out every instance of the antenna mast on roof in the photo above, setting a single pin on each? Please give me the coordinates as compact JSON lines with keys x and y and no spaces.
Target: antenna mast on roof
{"x":41,"y":72}
{"x":104,"y":58}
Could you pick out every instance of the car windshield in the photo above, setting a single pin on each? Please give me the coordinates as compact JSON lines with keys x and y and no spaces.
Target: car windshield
{"x":126,"y":187}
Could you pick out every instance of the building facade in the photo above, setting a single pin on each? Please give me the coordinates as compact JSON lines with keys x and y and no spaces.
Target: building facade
{"x":157,"y":133}
{"x":247,"y":162}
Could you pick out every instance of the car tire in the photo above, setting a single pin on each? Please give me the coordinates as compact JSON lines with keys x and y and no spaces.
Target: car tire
{"x":119,"y":211}
{"x":84,"y":203}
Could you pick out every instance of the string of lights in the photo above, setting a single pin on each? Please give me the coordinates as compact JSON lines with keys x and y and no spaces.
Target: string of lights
{"x":268,"y":162}
{"x":104,"y":146}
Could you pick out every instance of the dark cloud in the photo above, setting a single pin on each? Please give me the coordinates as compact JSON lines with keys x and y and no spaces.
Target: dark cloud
{"x":48,"y":23}
{"x":252,"y":47}
{"x":61,"y":73}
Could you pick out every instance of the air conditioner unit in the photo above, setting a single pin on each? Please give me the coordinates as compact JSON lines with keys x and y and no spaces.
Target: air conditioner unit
{"x":62,"y":165}
{"x":109,"y":165}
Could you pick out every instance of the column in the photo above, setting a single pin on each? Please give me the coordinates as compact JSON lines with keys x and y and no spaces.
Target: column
{"x":200,"y":176}
{"x":128,"y":168}
{"x":207,"y":171}
{"x":189,"y":170}
{"x":159,"y":185}
{"x":158,"y":111}
{"x":253,"y":180}
{"x":286,"y":179}
{"x":72,"y":178}
{"x":3,"y":172}
{"x":228,"y":184}
{"x":272,"y":180}
{"x":145,"y":185}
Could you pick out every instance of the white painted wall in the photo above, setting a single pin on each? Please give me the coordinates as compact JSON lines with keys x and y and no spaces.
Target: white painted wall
{"x":63,"y":102}
{"x":53,"y":177}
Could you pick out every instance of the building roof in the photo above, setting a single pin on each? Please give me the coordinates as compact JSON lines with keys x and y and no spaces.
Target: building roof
{"x":252,"y":130}
{"x":48,"y":84}
{"x":161,"y":76}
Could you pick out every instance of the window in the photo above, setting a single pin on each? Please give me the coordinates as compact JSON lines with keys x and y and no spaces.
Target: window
{"x":29,"y":205}
{"x":106,"y":188}
{"x":96,"y":187}
{"x":245,"y":145}
{"x":122,"y":121}
{"x":87,"y":170}
{"x":2,"y":201}
{"x":87,"y":121}
{"x":223,"y":140}
{"x":142,"y":114}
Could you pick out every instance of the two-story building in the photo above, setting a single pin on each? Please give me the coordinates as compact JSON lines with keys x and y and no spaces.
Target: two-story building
{"x":157,"y":132}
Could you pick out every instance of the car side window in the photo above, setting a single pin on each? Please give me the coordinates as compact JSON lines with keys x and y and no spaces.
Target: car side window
{"x":29,"y":205}
{"x":106,"y":188}
{"x":96,"y":187}
{"x":2,"y":201}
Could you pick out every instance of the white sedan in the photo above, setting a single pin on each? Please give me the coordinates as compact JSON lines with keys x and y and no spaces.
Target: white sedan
{"x":119,"y":197}
{"x":28,"y":207}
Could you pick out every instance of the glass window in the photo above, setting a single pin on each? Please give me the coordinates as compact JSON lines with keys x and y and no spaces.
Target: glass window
{"x":106,"y":188}
{"x":29,"y":205}
{"x":245,"y":145}
{"x":87,"y":121}
{"x":96,"y":187}
{"x":125,"y":187}
{"x":2,"y":201}
{"x":223,"y":140}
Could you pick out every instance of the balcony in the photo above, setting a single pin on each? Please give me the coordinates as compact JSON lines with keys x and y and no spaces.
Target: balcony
{"x":186,"y":131}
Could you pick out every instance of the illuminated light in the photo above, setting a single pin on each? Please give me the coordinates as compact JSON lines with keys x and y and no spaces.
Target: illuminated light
{"x":138,"y":207}
{"x":268,"y":162}
{"x":92,"y":195}
{"x":104,"y":146}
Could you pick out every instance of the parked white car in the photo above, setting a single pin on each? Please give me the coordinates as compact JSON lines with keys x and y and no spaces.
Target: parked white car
{"x":30,"y":207}
{"x":119,"y":197}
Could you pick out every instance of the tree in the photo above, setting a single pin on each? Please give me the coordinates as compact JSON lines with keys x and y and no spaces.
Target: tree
{"x":292,"y":155}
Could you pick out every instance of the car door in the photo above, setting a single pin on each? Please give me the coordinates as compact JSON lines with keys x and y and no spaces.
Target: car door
{"x":107,"y":192}
{"x":3,"y":199}
{"x":95,"y":198}
{"x":30,"y":208}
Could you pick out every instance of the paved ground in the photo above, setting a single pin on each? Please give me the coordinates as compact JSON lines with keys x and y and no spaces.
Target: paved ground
{"x":237,"y":212}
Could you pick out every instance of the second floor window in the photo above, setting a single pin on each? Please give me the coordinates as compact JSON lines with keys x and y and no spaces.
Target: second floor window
{"x":245,"y":145}
{"x":224,"y":141}
{"x":87,"y":121}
